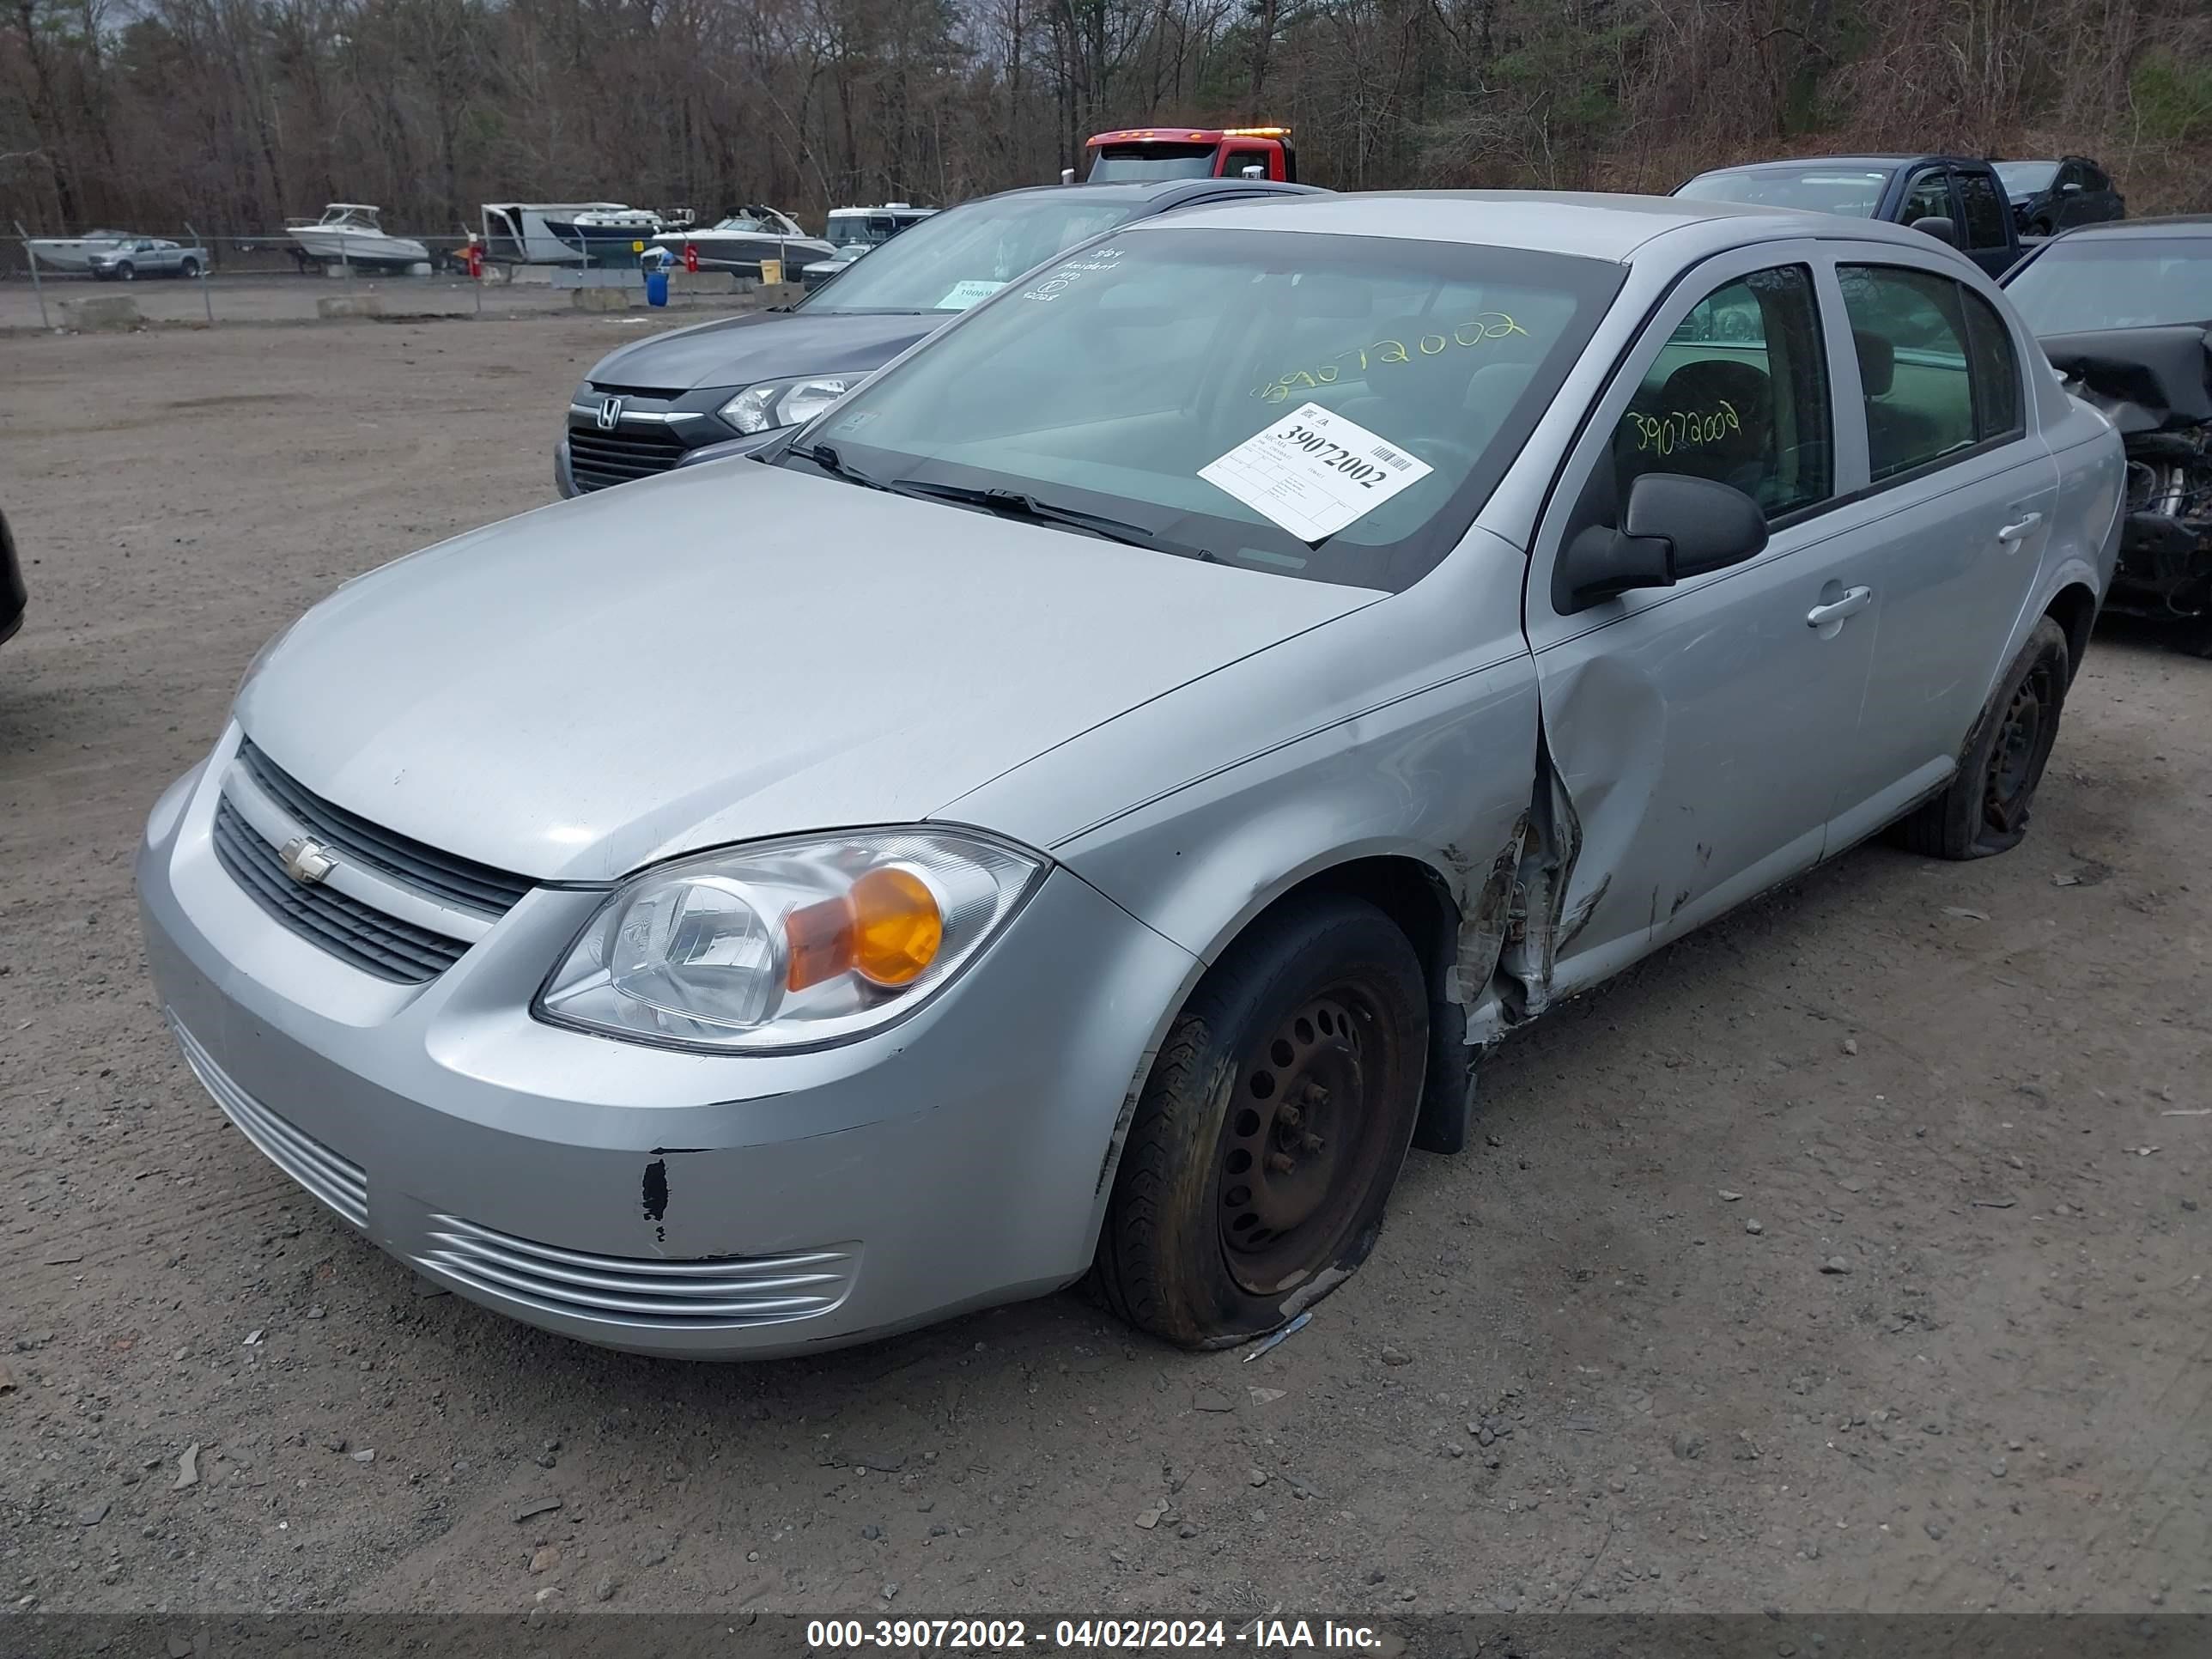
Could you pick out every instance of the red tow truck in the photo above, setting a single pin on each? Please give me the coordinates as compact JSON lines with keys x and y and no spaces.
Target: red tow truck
{"x":1192,"y":153}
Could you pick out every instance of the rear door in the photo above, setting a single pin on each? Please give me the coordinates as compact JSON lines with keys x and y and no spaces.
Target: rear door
{"x":1696,"y":729}
{"x":1954,"y":508}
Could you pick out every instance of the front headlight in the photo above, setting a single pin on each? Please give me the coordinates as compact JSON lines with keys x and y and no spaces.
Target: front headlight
{"x":786,"y":402}
{"x":788,"y":944}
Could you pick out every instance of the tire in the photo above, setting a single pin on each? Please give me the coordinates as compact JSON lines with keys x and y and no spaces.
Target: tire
{"x":126,"y":272}
{"x":1284,"y":1094}
{"x":188,"y":269}
{"x":1985,"y":811}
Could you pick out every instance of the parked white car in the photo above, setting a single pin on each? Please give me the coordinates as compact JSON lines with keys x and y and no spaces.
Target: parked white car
{"x":1229,"y":678}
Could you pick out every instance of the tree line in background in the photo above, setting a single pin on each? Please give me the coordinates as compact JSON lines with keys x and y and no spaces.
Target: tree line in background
{"x":235,"y":113}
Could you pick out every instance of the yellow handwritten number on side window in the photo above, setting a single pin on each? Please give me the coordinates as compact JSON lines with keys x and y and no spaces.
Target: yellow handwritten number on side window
{"x":1684,"y":429}
{"x":1483,"y":326}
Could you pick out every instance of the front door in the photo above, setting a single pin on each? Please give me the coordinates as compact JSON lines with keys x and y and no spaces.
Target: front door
{"x":1697,"y":729}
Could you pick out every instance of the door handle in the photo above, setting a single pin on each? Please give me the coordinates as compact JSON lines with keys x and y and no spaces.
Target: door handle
{"x":1855,"y":600}
{"x":2014,"y":533}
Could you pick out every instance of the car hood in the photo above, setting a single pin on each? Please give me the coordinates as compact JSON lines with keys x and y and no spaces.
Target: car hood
{"x":764,"y":345}
{"x":588,"y":688}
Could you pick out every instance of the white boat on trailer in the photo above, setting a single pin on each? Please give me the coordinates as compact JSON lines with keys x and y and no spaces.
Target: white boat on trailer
{"x":75,"y":252}
{"x":351,"y":234}
{"x":741,"y":240}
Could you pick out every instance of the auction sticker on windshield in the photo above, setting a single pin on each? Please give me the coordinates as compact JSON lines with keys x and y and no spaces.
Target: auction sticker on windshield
{"x":1313,"y":473}
{"x":972,"y":292}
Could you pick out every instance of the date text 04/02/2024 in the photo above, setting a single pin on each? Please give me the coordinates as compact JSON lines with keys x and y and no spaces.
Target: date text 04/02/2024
{"x":1006,"y":1635}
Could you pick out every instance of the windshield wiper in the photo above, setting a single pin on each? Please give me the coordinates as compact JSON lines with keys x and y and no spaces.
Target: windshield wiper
{"x":1015,"y":504}
{"x":828,"y":460}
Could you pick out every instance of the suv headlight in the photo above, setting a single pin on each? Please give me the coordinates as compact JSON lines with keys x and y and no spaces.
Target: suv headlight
{"x":797,"y":944}
{"x":786,"y":402}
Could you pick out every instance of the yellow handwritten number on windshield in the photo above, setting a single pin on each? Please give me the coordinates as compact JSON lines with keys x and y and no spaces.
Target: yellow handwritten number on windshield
{"x":1483,"y":326}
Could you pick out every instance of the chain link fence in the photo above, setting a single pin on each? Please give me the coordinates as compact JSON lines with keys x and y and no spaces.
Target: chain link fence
{"x":181,"y":276}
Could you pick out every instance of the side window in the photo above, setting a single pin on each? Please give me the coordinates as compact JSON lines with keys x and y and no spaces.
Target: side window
{"x":1929,"y":198}
{"x":1985,"y":211}
{"x":1995,"y":368}
{"x":1239,"y":160}
{"x":1738,"y":394}
{"x":1937,"y":366}
{"x":2093,"y":177}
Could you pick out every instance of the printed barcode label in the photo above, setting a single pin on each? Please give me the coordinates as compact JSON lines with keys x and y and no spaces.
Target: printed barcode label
{"x":1313,"y":473}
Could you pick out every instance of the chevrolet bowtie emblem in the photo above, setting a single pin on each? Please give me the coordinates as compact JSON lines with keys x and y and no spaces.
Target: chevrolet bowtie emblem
{"x":305,"y":861}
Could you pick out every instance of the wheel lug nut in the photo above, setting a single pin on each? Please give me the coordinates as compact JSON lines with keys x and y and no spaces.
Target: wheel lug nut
{"x":1281,"y":1162}
{"x":1292,"y":1118}
{"x":1313,"y":1143}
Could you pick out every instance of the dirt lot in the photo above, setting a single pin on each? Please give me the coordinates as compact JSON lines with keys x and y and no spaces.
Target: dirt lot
{"x":1575,"y":1374}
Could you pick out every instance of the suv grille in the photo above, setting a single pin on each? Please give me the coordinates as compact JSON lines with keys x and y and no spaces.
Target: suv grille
{"x":355,"y":933}
{"x":597,"y":459}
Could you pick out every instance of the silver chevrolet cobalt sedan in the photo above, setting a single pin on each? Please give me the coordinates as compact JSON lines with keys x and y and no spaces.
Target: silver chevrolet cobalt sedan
{"x":1230,"y":678}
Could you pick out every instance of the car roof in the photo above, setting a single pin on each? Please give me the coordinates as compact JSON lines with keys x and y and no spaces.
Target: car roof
{"x":1592,"y":224}
{"x":1161,"y":193}
{"x":2183,"y":224}
{"x":1890,"y":163}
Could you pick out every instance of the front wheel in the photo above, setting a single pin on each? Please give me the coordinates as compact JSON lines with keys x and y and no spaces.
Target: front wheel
{"x":1271,"y":1129}
{"x":126,"y":272}
{"x":1985,"y":808}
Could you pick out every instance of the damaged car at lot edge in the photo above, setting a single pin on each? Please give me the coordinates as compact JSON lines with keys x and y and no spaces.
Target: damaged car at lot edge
{"x":2124,"y":313}
{"x":1230,"y":680}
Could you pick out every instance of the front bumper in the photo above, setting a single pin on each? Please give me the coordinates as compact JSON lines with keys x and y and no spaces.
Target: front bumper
{"x":657,"y":1201}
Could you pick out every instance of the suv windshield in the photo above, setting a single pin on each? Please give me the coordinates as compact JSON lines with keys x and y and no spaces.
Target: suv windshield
{"x":1198,"y":391}
{"x":952,"y":260}
{"x":2082,"y":283}
{"x":1854,"y":191}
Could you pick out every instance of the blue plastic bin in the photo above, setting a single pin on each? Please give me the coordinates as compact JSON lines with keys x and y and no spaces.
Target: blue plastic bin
{"x":656,"y":287}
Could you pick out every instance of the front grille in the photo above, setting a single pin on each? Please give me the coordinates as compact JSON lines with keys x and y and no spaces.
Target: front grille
{"x":340,"y":1185}
{"x":352,"y":932}
{"x":442,"y":876}
{"x":597,"y":459}
{"x":667,"y":394}
{"x":687,"y":1295}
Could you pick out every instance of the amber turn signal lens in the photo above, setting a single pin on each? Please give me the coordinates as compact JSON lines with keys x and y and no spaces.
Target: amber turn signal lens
{"x":888,"y":929}
{"x":896,"y":927}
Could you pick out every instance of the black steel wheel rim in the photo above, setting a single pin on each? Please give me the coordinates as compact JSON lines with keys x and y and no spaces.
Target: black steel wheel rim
{"x":1303,"y":1142}
{"x":2016,"y":759}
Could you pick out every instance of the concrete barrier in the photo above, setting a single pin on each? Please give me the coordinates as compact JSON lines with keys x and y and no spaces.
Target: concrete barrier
{"x":333,"y":308}
{"x":600,"y":298}
{"x":109,"y":311}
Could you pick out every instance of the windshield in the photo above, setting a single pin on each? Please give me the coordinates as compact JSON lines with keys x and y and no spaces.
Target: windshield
{"x":1853,"y":191}
{"x":952,"y":260}
{"x":1120,"y":163}
{"x":2026,"y":178}
{"x":1334,"y":408}
{"x":2080,"y":284}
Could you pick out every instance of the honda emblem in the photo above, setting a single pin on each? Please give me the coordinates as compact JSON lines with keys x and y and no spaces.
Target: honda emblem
{"x":609,"y":413}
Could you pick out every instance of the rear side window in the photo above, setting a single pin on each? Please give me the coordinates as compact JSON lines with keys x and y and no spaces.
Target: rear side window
{"x":1985,"y":212}
{"x":1936,"y":364}
{"x":1993,"y":367}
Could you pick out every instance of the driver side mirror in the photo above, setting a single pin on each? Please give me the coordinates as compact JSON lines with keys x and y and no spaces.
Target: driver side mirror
{"x":1675,"y":527}
{"x":1940,"y":227}
{"x":2069,"y":188}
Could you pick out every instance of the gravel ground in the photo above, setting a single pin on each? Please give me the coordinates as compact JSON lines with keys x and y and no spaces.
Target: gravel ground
{"x":1949,"y":1349}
